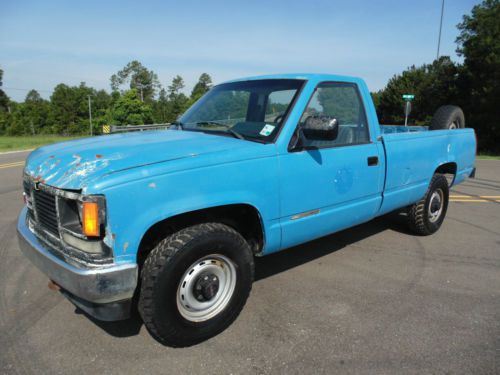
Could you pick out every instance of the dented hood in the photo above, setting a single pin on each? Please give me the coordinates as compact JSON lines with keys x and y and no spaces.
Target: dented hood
{"x":73,"y":164}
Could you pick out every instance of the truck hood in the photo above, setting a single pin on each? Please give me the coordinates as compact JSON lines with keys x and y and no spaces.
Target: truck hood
{"x":73,"y":164}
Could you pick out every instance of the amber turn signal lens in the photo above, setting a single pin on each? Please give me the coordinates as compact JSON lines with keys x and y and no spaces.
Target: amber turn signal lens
{"x":90,"y":219}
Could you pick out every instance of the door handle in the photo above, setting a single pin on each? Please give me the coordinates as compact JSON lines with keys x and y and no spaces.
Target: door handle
{"x":372,"y":161}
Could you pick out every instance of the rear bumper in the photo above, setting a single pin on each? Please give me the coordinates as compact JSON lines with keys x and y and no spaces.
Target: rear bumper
{"x":92,"y":289}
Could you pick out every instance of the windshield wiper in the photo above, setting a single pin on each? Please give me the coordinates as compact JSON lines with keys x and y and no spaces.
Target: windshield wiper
{"x":227,"y":127}
{"x":180,"y":125}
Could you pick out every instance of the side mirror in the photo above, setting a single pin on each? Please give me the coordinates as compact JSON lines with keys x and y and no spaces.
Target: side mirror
{"x":320,"y":128}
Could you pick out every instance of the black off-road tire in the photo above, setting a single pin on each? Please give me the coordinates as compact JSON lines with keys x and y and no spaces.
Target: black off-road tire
{"x":448,"y":117}
{"x":419,"y":218}
{"x":164,"y":269}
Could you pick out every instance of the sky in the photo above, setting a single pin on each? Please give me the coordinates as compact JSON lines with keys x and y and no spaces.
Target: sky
{"x":44,"y":43}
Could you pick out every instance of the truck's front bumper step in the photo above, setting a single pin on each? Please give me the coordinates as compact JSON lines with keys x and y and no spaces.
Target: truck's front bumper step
{"x":107,"y":285}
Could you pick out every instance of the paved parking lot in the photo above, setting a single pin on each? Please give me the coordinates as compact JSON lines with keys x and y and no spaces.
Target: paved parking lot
{"x":370,"y":300}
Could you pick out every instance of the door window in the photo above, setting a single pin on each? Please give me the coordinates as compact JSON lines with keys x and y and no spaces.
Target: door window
{"x":340,"y":101}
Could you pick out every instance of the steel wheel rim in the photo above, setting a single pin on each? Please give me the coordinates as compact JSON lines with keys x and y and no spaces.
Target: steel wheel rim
{"x":453,"y":125}
{"x":436,"y":205}
{"x":210,"y":266}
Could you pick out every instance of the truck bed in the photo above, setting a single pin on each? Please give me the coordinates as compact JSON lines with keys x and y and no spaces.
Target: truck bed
{"x":412,"y":157}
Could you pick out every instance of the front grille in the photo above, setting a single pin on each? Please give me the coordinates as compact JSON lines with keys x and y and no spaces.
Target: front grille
{"x":45,"y":207}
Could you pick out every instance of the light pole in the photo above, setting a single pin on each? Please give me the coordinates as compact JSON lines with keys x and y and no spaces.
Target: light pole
{"x":440,"y":28}
{"x":90,"y":115}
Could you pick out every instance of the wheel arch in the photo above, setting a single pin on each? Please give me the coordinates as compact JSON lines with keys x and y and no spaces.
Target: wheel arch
{"x":243,"y":217}
{"x":449,"y":169}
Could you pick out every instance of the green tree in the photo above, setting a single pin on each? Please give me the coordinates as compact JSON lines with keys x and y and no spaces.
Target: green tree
{"x":479,"y":44}
{"x":201,"y":87}
{"x":177,"y":101}
{"x":174,"y":89}
{"x":101,"y":103}
{"x":4,"y":99}
{"x":139,"y":77}
{"x":16,"y":123}
{"x":376,"y":97}
{"x":433,"y":85}
{"x":130,"y":110}
{"x":161,"y":108}
{"x":5,"y":119}
{"x":64,"y":109}
{"x":33,"y":113}
{"x":69,"y":109}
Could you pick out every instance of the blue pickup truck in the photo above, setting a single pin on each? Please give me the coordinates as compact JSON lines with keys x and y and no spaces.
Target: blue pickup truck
{"x":169,"y":222}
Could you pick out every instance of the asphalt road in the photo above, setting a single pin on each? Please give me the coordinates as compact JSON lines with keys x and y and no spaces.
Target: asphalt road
{"x":370,"y":300}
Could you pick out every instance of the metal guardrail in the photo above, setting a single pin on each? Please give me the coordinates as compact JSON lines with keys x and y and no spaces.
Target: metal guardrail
{"x":135,"y":128}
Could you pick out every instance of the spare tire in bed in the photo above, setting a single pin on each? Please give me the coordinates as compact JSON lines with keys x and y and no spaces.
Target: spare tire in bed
{"x":448,"y":117}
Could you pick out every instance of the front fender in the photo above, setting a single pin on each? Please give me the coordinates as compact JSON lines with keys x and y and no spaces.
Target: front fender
{"x":135,"y":207}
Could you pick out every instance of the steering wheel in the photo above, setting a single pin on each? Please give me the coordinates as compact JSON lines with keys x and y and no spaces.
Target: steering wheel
{"x":279,"y":118}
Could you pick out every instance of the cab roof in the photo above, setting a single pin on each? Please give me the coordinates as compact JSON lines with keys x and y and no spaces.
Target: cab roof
{"x":316,"y":77}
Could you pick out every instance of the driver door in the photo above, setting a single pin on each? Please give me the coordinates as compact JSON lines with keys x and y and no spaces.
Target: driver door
{"x":329,"y":185}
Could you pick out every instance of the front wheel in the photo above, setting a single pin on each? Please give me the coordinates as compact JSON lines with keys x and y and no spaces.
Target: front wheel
{"x":426,"y":216}
{"x":195,"y":283}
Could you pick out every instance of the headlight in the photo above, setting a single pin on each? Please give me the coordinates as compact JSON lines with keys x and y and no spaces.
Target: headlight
{"x":83,"y":223}
{"x":89,"y":246}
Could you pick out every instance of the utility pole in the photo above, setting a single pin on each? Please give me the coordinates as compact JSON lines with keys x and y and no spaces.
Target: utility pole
{"x":440,"y":28}
{"x":90,"y":115}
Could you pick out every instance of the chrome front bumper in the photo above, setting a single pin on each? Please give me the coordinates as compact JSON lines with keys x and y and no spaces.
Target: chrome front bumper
{"x":102,"y":285}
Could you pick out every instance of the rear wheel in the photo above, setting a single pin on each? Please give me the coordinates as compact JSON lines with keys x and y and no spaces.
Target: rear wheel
{"x":448,"y":117}
{"x":426,"y":216}
{"x":195,"y":283}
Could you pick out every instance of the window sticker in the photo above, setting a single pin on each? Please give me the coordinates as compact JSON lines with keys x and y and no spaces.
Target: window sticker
{"x":267,"y":130}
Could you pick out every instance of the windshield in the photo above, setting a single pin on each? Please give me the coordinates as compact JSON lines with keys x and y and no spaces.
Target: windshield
{"x":252,"y":110}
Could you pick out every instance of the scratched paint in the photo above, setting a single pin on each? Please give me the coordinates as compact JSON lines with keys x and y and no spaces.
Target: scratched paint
{"x":76,"y":164}
{"x":56,"y":173}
